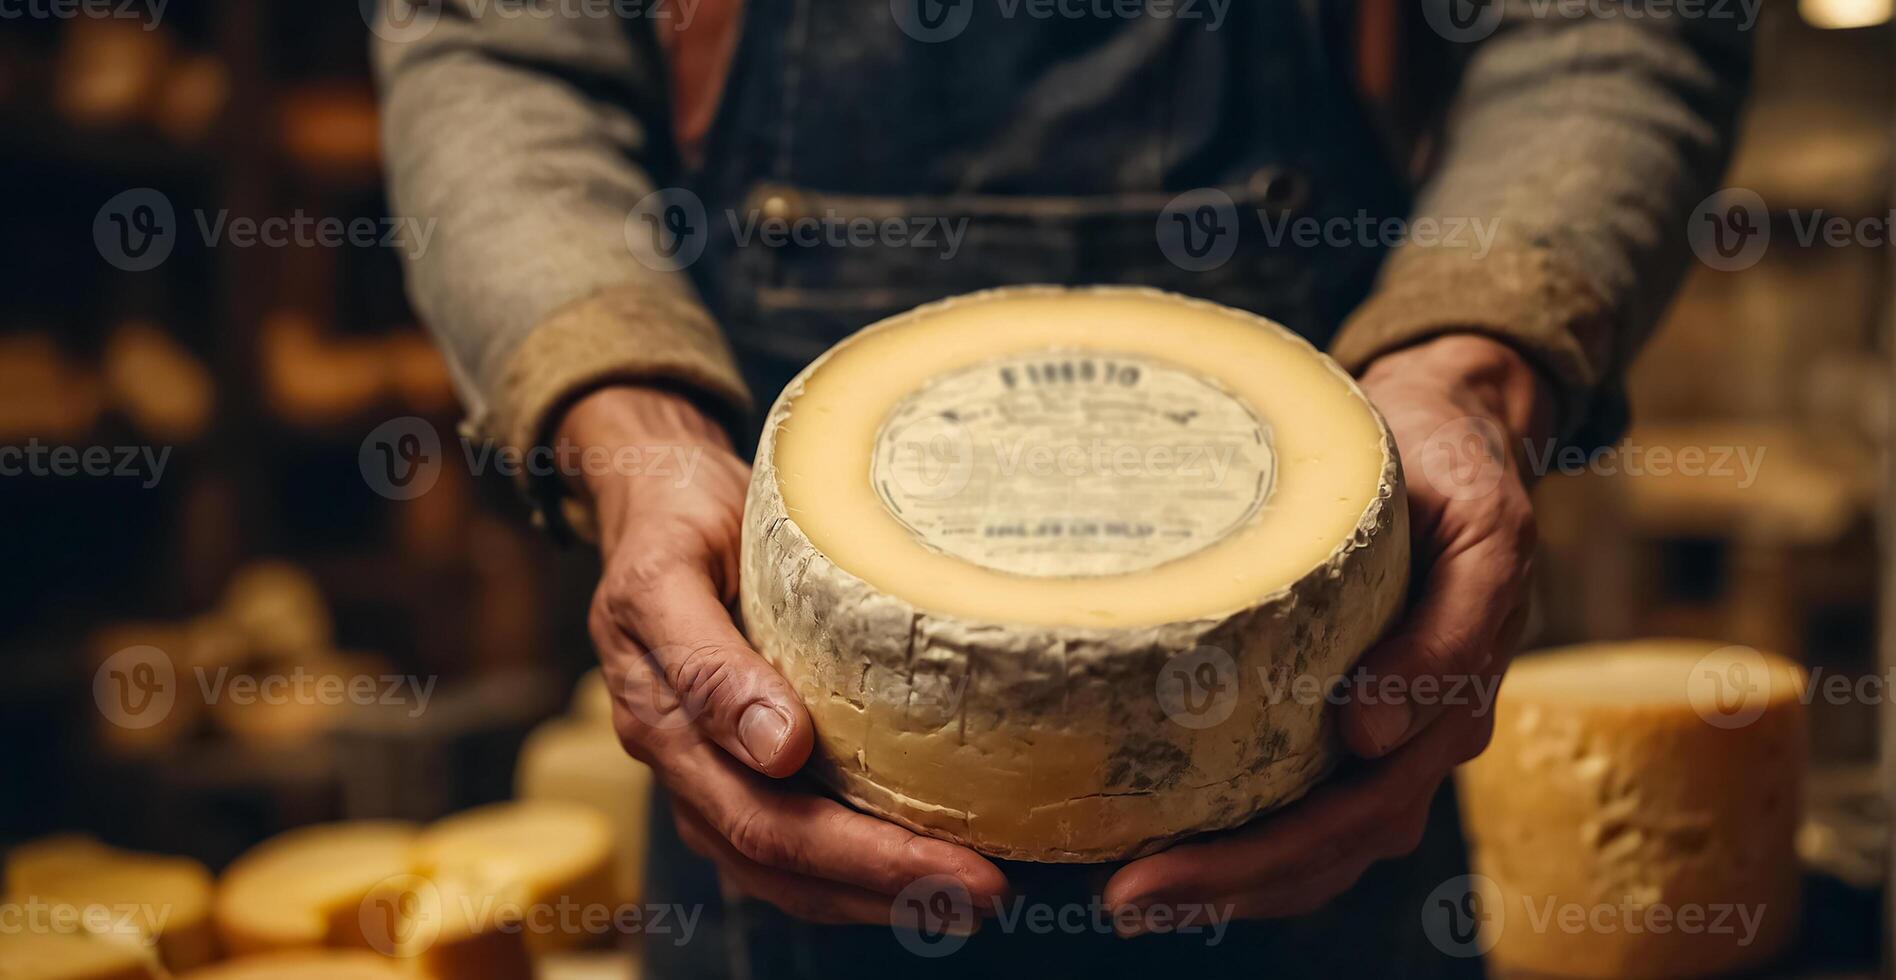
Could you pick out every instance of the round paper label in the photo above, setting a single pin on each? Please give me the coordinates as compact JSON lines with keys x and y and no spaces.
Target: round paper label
{"x":1066,"y":463}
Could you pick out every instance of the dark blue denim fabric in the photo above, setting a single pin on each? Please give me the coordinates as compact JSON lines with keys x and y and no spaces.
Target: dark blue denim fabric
{"x":1060,"y":142}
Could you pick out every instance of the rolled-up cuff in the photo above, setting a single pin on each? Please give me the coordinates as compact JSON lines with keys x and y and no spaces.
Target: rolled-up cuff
{"x":1522,"y":297}
{"x":624,"y":335}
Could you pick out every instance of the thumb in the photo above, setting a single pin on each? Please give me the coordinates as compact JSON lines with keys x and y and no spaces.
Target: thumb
{"x":722,"y":685}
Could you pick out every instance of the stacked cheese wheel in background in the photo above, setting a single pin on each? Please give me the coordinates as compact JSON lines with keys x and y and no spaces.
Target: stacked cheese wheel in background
{"x":1634,"y":816}
{"x":510,"y":891}
{"x":1036,"y":559}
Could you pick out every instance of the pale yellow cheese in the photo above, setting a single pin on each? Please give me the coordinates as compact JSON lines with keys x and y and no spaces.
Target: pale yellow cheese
{"x":589,"y":965}
{"x":305,"y":888}
{"x":592,"y":700}
{"x":143,"y":899}
{"x":1635,"y":813}
{"x":35,"y":862}
{"x":457,"y":924}
{"x":580,"y":760}
{"x":543,"y":856}
{"x":997,"y":543}
{"x":34,"y":955}
{"x":1328,"y":445}
{"x":279,"y":609}
{"x":305,"y":965}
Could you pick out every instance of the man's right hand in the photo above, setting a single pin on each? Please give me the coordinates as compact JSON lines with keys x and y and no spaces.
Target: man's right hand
{"x":717,"y":724}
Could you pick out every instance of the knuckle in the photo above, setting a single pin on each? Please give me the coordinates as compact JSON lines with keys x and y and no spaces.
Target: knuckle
{"x":757,"y":836}
{"x":703,"y":676}
{"x":631,"y":579}
{"x":1445,"y":654}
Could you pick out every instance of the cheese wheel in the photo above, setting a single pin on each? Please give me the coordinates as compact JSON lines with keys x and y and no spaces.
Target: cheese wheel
{"x":35,"y":955}
{"x":1037,"y":559}
{"x":145,"y":899}
{"x":158,"y":383}
{"x":549,"y":857}
{"x":305,"y":888}
{"x":306,"y":965}
{"x":581,"y":761}
{"x":1634,"y":814}
{"x":457,"y":924}
{"x":279,"y":609}
{"x":592,"y":965}
{"x":32,"y":864}
{"x":592,"y":699}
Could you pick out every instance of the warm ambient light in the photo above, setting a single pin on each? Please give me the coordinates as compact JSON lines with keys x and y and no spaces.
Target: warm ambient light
{"x":1840,"y":14}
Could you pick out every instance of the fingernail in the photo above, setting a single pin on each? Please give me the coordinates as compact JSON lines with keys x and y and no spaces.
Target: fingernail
{"x":1388,"y":723}
{"x":762,"y":730}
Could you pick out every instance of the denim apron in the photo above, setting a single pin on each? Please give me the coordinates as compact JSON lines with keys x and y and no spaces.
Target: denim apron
{"x":1060,"y":146}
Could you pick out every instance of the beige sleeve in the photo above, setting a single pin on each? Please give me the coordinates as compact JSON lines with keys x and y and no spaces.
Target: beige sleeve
{"x":1578,"y":146}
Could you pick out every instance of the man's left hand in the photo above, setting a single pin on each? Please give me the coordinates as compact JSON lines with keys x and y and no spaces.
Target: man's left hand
{"x":1460,"y":407}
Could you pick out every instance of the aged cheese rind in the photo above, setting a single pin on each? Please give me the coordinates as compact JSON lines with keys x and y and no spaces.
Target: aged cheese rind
{"x":1615,"y":785}
{"x":1048,"y":742}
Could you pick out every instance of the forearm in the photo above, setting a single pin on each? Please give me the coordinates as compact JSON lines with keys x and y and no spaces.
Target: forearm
{"x":528,"y":141}
{"x":1577,"y":146}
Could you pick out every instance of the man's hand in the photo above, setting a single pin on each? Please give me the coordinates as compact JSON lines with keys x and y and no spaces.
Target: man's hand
{"x":1459,"y":406}
{"x":691,"y":699}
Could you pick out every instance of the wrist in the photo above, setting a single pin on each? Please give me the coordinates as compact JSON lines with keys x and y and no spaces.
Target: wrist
{"x":630,"y":416}
{"x":1487,"y":376}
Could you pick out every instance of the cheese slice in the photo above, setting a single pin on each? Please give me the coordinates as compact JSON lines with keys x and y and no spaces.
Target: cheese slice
{"x":142,"y":899}
{"x":551,"y":859}
{"x":305,"y":888}
{"x":581,"y":761}
{"x":37,"y":955}
{"x":1649,"y":791}
{"x":1037,"y":560}
{"x":306,"y":965}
